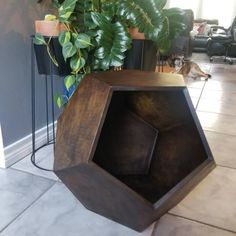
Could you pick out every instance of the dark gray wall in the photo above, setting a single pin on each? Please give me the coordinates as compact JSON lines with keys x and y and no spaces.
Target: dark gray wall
{"x":16,"y":25}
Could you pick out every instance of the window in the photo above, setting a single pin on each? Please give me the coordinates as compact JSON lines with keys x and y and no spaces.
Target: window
{"x":224,"y":11}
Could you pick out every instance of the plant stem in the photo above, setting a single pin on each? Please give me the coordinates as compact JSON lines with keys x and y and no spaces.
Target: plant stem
{"x":50,"y":54}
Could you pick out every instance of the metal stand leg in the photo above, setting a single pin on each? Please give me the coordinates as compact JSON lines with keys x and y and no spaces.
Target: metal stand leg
{"x":33,"y":109}
{"x":33,"y":102}
{"x":46,"y":106}
{"x":52,"y":107}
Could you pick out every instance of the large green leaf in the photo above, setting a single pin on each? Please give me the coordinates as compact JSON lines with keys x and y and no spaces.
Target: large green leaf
{"x":113,"y":40}
{"x":64,"y":37}
{"x":144,"y":15}
{"x":68,"y":50}
{"x":77,"y":62}
{"x":101,"y":21}
{"x":160,"y":3}
{"x":66,"y":9}
{"x":82,"y":41}
{"x":39,"y":39}
{"x":69,"y":81}
{"x":109,"y":9}
{"x":82,"y":17}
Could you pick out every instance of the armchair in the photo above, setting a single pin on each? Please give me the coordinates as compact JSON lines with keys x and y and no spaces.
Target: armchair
{"x":222,"y":42}
{"x":200,"y":33}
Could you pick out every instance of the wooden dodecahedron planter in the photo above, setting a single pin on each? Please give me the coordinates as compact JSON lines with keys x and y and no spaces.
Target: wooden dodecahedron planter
{"x":130,"y":146}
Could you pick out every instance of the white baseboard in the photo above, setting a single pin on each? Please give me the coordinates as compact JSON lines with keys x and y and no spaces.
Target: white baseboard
{"x":23,"y":147}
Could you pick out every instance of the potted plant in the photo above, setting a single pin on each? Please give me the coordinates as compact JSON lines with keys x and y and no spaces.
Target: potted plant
{"x":47,"y":48}
{"x":98,"y":32}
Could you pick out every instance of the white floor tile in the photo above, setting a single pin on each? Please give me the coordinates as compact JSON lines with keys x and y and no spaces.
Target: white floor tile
{"x":58,"y":213}
{"x":18,"y":190}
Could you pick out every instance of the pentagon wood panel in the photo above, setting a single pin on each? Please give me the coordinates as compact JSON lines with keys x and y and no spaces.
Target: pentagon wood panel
{"x":104,"y":194}
{"x":79,"y":125}
{"x":133,"y":147}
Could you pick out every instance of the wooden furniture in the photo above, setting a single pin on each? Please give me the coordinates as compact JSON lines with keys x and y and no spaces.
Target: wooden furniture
{"x":129,"y":145}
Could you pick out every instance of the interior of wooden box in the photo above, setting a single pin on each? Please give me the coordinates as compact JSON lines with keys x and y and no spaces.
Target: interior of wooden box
{"x":149,"y":141}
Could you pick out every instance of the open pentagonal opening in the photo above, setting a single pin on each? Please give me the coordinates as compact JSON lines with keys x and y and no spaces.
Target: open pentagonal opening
{"x":150,"y":141}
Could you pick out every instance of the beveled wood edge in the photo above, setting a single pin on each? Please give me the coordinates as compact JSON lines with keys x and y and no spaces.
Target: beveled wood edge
{"x":100,"y":126}
{"x":60,"y":120}
{"x":113,"y":179}
{"x":116,"y":79}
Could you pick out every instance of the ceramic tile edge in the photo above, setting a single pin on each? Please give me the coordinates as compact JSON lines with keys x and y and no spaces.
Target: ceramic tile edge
{"x":202,"y":223}
{"x":29,"y":206}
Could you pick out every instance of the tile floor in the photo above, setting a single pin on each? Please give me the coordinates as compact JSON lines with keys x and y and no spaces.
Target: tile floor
{"x":36,"y":203}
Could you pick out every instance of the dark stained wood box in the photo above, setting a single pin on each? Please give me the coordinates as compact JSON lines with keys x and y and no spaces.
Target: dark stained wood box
{"x":130,"y":146}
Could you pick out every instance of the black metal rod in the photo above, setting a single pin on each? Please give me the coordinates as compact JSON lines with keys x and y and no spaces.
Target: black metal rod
{"x":33,"y":101}
{"x":46,"y":104}
{"x":52,"y":106}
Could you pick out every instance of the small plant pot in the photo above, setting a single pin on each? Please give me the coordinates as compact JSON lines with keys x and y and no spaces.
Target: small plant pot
{"x":47,"y":28}
{"x":45,"y":64}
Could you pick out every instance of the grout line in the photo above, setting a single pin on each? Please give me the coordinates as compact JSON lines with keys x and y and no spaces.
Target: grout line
{"x":31,"y":204}
{"x":213,"y":131}
{"x":232,"y":168}
{"x":201,"y":222}
{"x":37,"y":175}
{"x":200,"y":95}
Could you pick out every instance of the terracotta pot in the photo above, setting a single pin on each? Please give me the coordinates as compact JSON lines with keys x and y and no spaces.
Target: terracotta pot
{"x":47,"y":28}
{"x":135,"y":34}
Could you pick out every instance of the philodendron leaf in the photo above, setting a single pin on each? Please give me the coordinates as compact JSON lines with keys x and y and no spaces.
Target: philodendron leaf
{"x":69,"y":81}
{"x":50,"y":17}
{"x":83,"y":41}
{"x":113,"y":40}
{"x":64,"y":37}
{"x":60,"y":100}
{"x":76,"y":63}
{"x":66,"y":9}
{"x":145,"y":15}
{"x":68,"y":50}
{"x":69,"y":4}
{"x":160,"y":4}
{"x":39,"y":39}
{"x":101,"y":21}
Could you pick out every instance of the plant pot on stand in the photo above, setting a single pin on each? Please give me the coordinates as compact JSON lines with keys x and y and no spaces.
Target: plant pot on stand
{"x":142,"y":55}
{"x":50,"y":30}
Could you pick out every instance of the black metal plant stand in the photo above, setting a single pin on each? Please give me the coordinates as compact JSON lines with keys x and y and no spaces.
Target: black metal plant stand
{"x":48,"y":104}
